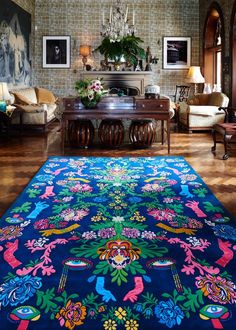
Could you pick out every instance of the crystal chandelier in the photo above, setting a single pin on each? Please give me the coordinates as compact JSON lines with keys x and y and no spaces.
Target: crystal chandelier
{"x":117,"y":26}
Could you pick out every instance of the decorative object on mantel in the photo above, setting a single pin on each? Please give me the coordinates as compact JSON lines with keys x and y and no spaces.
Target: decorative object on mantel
{"x":90,"y":92}
{"x":148,"y":59}
{"x":128,"y":48}
{"x":119,"y":40}
{"x":84,"y":51}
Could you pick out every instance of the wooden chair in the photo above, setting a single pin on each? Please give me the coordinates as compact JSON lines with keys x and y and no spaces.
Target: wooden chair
{"x":181,"y":93}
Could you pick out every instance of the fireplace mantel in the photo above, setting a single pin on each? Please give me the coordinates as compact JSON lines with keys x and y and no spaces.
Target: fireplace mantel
{"x":128,"y":79}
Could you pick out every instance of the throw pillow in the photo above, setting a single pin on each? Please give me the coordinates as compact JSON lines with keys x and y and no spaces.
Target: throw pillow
{"x":21,"y":99}
{"x":45,"y":96}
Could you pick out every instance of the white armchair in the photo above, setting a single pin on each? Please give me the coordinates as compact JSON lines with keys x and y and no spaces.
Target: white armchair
{"x":202,"y":111}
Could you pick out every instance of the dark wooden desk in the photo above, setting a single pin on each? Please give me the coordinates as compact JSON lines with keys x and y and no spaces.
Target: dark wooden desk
{"x":119,"y":108}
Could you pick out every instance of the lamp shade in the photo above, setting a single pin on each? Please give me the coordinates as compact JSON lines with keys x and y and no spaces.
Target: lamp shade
{"x":4,"y":93}
{"x":84,"y":50}
{"x":194,"y":75}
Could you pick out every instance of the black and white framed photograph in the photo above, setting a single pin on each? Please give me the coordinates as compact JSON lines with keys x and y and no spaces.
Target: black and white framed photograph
{"x":176,"y":52}
{"x":56,"y":52}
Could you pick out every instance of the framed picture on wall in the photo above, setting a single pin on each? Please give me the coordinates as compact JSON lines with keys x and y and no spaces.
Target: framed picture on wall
{"x":56,"y":52}
{"x":15,"y":46}
{"x":176,"y":52}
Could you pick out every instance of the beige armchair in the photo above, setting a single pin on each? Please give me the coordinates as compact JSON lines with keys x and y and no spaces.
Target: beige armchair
{"x":36,"y":107}
{"x":202,"y":111}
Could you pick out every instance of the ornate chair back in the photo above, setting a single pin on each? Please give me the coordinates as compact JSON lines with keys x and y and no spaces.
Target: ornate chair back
{"x":181,"y":93}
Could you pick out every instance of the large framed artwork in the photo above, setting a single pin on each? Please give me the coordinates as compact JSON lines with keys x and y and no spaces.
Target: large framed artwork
{"x":15,"y":30}
{"x":56,"y":51}
{"x":176,"y":52}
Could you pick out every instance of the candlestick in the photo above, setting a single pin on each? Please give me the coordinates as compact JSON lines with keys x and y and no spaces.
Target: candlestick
{"x":103,"y":18}
{"x":126,"y":14}
{"x":110,"y":15}
{"x":133,"y":16}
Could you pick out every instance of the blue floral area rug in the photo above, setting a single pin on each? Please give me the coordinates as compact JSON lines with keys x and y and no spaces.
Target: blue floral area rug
{"x":117,"y":243}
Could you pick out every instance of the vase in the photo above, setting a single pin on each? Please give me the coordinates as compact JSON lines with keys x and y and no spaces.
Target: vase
{"x":89,"y":104}
{"x":117,"y":66}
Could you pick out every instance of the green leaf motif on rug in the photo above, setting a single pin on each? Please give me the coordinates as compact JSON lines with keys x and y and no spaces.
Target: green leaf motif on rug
{"x":209,"y":207}
{"x":25,"y":207}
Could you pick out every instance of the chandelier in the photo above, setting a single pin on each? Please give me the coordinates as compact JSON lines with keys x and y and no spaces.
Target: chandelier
{"x":117,"y":26}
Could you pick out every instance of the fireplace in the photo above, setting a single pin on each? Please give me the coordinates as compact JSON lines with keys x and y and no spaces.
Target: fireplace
{"x":132,"y":83}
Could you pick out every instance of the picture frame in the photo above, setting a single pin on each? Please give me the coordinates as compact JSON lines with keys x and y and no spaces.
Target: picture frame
{"x":176,"y":53}
{"x":56,"y":52}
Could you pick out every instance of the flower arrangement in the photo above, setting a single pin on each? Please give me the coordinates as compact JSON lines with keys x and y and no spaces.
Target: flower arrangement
{"x":90,"y":91}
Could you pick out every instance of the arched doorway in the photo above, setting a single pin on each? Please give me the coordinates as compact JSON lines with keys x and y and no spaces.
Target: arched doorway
{"x":233,"y":55}
{"x":213,"y":46}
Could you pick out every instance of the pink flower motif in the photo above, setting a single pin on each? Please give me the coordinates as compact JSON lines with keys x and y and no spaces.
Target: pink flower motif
{"x":193,"y":223}
{"x":89,"y":235}
{"x":73,"y":215}
{"x":130,"y":232}
{"x":106,"y":232}
{"x":41,"y":224}
{"x":148,"y":235}
{"x":81,"y":188}
{"x":153,"y":187}
{"x":165,"y":214}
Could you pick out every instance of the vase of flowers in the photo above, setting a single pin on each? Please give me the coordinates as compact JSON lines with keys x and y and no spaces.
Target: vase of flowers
{"x":90,"y":92}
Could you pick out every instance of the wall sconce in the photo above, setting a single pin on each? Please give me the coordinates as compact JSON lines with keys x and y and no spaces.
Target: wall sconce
{"x":84,"y":51}
{"x":195,"y":77}
{"x":4,"y":96}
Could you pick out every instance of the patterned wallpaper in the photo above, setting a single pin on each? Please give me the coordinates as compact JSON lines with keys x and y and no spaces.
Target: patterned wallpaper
{"x":81,"y":19}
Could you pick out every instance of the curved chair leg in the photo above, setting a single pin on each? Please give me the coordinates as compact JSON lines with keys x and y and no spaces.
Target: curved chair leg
{"x":213,"y":148}
{"x":227,"y":138}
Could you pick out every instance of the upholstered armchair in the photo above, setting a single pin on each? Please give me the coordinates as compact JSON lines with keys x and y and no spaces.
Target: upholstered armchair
{"x":36,"y":107}
{"x":202,"y":111}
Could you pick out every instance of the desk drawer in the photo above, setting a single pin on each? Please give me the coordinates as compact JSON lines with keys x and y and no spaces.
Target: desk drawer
{"x":69,"y":103}
{"x":152,"y":105}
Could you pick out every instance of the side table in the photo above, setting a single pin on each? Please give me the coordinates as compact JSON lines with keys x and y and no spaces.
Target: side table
{"x":227,"y":130}
{"x":5,"y":119}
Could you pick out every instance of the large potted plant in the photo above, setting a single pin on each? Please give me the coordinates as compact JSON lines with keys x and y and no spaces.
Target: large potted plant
{"x":128,"y":48}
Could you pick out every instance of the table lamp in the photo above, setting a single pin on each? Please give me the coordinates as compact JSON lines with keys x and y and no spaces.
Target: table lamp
{"x":195,"y":77}
{"x":84,"y":51}
{"x":4,"y":96}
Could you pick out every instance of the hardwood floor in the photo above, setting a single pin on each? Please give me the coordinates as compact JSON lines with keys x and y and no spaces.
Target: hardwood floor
{"x":22,"y":156}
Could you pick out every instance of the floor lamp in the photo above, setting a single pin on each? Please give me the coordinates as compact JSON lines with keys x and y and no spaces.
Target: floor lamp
{"x":195,"y":77}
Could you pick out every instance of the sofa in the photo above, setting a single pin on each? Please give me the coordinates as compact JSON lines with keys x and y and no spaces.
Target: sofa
{"x":202,"y":111}
{"x":36,"y":107}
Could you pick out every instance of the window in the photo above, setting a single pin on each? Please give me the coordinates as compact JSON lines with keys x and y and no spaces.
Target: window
{"x":213,"y":49}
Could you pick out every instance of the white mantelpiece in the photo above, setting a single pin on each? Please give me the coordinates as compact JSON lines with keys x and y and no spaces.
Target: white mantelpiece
{"x":130,"y":79}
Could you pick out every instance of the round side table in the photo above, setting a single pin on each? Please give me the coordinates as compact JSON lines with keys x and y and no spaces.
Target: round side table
{"x":111,"y":132}
{"x":80,"y":133}
{"x":142,"y":133}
